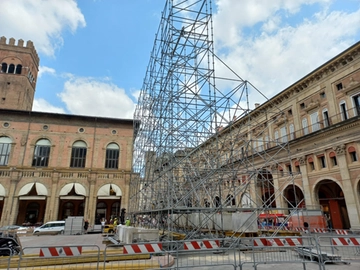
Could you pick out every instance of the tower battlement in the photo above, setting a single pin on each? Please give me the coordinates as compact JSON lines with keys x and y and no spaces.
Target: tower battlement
{"x":29,"y":48}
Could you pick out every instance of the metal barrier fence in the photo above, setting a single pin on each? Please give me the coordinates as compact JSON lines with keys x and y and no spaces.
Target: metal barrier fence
{"x":339,"y":249}
{"x":5,"y":257}
{"x":58,"y":257}
{"x":292,"y":252}
{"x":278,"y":250}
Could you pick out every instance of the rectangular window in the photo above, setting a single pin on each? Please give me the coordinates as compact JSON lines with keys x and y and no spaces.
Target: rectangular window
{"x":289,"y":169}
{"x":297,"y":167}
{"x":322,"y":161}
{"x":112,"y":159}
{"x":4,"y":153}
{"x":339,"y":86}
{"x":41,"y":156}
{"x":333,"y":161}
{"x":343,"y":111}
{"x":356,"y":100}
{"x":326,"y":118}
{"x":312,"y":166}
{"x":78,"y":157}
{"x":260,"y":144}
{"x":353,"y":156}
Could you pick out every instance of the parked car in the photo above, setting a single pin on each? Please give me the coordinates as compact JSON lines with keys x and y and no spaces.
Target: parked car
{"x":51,"y":227}
{"x":109,"y":228}
{"x":14,"y":229}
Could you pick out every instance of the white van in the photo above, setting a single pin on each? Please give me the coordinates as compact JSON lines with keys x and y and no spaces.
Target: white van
{"x":51,"y":227}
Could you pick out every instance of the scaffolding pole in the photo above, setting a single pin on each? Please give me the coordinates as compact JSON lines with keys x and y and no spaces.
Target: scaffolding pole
{"x":198,"y":156}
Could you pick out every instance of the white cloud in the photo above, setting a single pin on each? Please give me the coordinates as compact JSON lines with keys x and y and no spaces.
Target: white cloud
{"x":89,"y":96}
{"x":42,"y":21}
{"x":41,"y":105}
{"x":45,"y":70}
{"x":272,"y":49}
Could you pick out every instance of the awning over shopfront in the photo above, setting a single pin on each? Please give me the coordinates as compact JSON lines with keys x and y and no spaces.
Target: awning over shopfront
{"x":41,"y":190}
{"x":79,"y":189}
{"x":109,"y":191}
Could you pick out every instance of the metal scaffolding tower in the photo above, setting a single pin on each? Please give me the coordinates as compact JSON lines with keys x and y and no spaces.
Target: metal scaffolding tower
{"x":197,"y":156}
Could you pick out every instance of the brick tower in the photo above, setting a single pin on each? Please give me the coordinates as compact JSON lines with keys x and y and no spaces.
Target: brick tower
{"x":18,"y":74}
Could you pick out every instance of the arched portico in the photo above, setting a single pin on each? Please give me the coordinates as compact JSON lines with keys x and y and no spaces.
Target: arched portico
{"x":294,"y":197}
{"x":332,"y":200}
{"x":265,"y":184}
{"x":32,"y":204}
{"x":108,"y":203}
{"x":72,"y":201}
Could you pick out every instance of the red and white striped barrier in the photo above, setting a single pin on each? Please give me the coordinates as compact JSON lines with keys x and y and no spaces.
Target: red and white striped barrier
{"x":282,"y":242}
{"x":142,"y":248}
{"x":203,"y":244}
{"x":300,"y":229}
{"x":60,"y":251}
{"x":319,"y":230}
{"x":278,"y":242}
{"x":341,"y":232}
{"x":261,"y":242}
{"x":341,"y":241}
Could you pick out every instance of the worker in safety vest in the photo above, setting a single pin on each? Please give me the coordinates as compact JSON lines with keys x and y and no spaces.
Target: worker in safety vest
{"x":115,"y":222}
{"x":127,"y":222}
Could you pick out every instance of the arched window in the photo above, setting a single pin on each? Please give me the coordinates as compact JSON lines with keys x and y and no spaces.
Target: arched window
{"x":246,"y":200}
{"x":78,"y":155}
{"x":314,"y":122}
{"x":276,"y":137}
{"x":112,"y":156}
{"x":305,"y":126}
{"x":18,"y":69}
{"x":352,"y":152}
{"x":11,"y":68}
{"x":4,"y":67}
{"x":5,"y":148}
{"x":292,"y":131}
{"x":41,"y":153}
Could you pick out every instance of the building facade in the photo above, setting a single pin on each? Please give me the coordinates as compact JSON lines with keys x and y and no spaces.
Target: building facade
{"x":55,"y":165}
{"x":298,"y":150}
{"x":318,"y":117}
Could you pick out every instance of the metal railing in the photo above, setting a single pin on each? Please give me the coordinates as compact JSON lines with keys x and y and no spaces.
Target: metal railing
{"x":223,"y":253}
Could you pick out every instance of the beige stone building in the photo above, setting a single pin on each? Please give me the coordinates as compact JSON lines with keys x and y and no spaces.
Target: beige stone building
{"x":56,"y":165}
{"x":319,"y":118}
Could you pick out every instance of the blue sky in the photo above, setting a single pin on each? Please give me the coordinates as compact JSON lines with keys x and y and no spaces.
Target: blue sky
{"x":94,"y":53}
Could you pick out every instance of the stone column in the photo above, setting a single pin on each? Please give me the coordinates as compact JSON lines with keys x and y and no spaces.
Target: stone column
{"x":308,"y":194}
{"x":52,"y":209}
{"x":348,"y":189}
{"x":279,"y":199}
{"x":90,"y":205}
{"x":11,"y":204}
{"x":254,"y":192}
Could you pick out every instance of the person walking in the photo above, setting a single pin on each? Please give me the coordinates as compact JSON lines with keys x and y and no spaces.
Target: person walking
{"x":86,"y":226}
{"x":103,"y":222}
{"x":115,"y":224}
